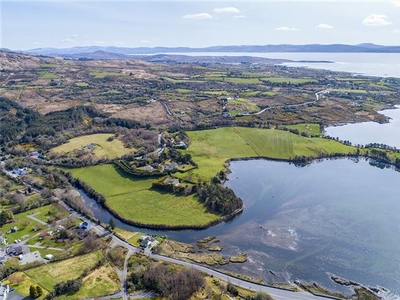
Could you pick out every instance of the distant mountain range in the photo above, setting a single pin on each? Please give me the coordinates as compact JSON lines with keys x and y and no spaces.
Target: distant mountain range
{"x":339,"y":48}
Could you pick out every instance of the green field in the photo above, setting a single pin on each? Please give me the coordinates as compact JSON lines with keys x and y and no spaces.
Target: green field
{"x":46,"y":75}
{"x":99,"y":73}
{"x":271,"y":93}
{"x":111,"y":92}
{"x":290,"y":80}
{"x":310,"y":129}
{"x":184,"y":91}
{"x":133,"y":199}
{"x":99,"y":282}
{"x":211,"y":148}
{"x":104,"y":148}
{"x":348,"y":91}
{"x":82,"y":84}
{"x":243,"y":80}
{"x":49,"y":275}
{"x":245,"y":104}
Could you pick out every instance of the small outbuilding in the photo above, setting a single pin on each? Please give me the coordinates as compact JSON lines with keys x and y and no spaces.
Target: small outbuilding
{"x":84,"y":225}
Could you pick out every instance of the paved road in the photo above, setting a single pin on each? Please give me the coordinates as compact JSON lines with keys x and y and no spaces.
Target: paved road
{"x":317,"y":96}
{"x":276,"y":293}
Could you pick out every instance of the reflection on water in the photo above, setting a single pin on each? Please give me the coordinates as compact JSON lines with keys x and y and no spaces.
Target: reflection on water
{"x":336,"y":216}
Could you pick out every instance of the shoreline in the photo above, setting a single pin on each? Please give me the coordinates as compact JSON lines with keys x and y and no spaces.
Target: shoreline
{"x":302,"y":161}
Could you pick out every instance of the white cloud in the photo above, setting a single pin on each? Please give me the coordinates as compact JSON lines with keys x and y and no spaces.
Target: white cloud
{"x":239,"y":17}
{"x":284,"y":28}
{"x":227,"y":10}
{"x":145,"y":42}
{"x":200,"y":16}
{"x":396,"y":3}
{"x":376,"y":20}
{"x":70,"y":39}
{"x":396,"y":31}
{"x":324,"y":26}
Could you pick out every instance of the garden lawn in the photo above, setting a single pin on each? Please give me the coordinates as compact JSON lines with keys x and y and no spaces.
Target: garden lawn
{"x":53,"y":273}
{"x":104,"y":148}
{"x":134,"y":240}
{"x":135,"y":200}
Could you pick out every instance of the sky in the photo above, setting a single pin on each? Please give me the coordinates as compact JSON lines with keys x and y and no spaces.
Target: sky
{"x":29,"y":24}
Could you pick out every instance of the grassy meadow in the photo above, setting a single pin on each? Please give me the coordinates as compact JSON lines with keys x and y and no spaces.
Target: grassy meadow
{"x":101,"y":281}
{"x":245,"y":104}
{"x":51,"y":274}
{"x":310,"y":129}
{"x":104,"y":148}
{"x":135,"y":200}
{"x":211,"y":148}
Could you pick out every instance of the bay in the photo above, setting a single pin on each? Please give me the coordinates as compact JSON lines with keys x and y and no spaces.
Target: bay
{"x":335,"y":216}
{"x":370,"y":132}
{"x":368,"y":64}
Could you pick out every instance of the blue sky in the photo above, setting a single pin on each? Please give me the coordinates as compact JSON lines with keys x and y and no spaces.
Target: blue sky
{"x":31,"y":24}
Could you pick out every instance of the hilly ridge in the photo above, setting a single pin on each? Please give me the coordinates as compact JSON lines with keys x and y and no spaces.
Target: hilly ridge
{"x":342,"y":48}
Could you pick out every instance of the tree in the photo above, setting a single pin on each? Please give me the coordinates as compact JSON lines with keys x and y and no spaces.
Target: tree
{"x":39,"y":291}
{"x":6,"y":216}
{"x":33,"y":292}
{"x":112,"y":223}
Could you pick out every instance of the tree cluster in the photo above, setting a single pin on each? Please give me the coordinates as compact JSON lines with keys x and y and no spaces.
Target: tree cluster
{"x":179,"y":157}
{"x":89,"y":190}
{"x":140,"y":138}
{"x":35,"y":291}
{"x":169,"y":282}
{"x":218,"y":198}
{"x":6,"y":216}
{"x":69,"y":286}
{"x":26,"y":123}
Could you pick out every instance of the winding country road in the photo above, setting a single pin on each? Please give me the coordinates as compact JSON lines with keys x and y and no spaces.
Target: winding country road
{"x":318,"y":95}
